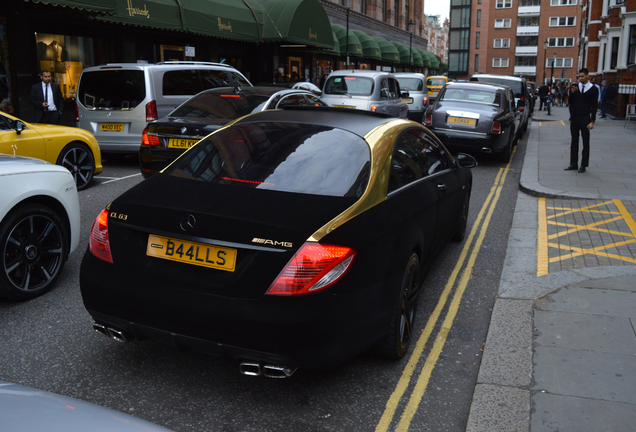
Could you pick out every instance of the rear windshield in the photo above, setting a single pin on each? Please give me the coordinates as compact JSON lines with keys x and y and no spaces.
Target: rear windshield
{"x":212,"y":105}
{"x":358,"y":86}
{"x":411,"y":84}
{"x":188,"y":82}
{"x":279,"y":156}
{"x":472,"y":96}
{"x":112,"y":89}
{"x":515,"y":85}
{"x":435,"y":81}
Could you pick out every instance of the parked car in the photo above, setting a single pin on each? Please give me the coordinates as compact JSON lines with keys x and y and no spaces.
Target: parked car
{"x":164,"y":140}
{"x":291,"y":238}
{"x":39,"y":225}
{"x":434,"y":84}
{"x":415,"y":85}
{"x":74,"y":149}
{"x":532,"y":95}
{"x":475,"y":116}
{"x":115,"y":101}
{"x":365,"y":90}
{"x":303,"y":85}
{"x":24,"y":409}
{"x":519,"y":89}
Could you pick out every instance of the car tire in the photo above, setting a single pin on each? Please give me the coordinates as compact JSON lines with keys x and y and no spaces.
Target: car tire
{"x":396,"y":343}
{"x":506,"y":153}
{"x":79,"y":160}
{"x":34,"y":246}
{"x":463,"y":218}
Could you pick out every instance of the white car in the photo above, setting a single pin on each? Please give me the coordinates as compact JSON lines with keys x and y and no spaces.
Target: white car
{"x":39,"y":225}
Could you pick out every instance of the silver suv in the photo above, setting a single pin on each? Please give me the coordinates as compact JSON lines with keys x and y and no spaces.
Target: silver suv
{"x":415,"y":85}
{"x":116,"y":101}
{"x":365,"y":90}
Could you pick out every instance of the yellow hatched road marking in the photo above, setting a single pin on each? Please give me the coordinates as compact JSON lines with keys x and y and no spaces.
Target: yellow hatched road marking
{"x":543,"y":266}
{"x":440,"y":340}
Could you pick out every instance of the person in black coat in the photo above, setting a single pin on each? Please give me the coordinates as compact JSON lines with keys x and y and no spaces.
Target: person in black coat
{"x":46,"y":97}
{"x":583,"y":102}
{"x":544,"y":95}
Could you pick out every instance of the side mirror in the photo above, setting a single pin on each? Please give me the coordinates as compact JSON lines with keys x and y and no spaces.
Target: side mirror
{"x":465,"y":160}
{"x":19,"y":127}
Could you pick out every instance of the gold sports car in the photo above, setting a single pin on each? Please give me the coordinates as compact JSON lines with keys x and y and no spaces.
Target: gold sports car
{"x":73,"y":148}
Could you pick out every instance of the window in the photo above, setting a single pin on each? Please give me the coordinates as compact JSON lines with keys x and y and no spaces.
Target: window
{"x":528,"y":21}
{"x":396,"y":15}
{"x":500,"y":62}
{"x":476,"y":62}
{"x":524,"y":3}
{"x":614,"y":53}
{"x":477,"y":40}
{"x":502,"y":43}
{"x":559,"y":63}
{"x":503,"y":23}
{"x":561,"y":42}
{"x":459,"y":39}
{"x":460,"y":18}
{"x":631,"y":50}
{"x":501,"y":4}
{"x":562,"y":21}
{"x":528,"y":41}
{"x":458,"y":61}
{"x":563,"y":2}
{"x":478,"y":17}
{"x":525,"y":61}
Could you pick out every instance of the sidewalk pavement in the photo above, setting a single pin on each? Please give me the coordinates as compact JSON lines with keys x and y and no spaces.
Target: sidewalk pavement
{"x":560,"y":354}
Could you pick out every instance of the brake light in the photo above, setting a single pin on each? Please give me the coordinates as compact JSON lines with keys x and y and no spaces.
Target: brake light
{"x":374,"y":108}
{"x":424,"y":100}
{"x":429,"y":120}
{"x":98,"y":243}
{"x":76,"y":112}
{"x":313,"y":268}
{"x":496,"y":128}
{"x":149,"y":140}
{"x":151,"y":111}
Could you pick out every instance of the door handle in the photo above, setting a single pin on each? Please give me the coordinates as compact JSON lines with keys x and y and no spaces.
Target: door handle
{"x":441,"y":186}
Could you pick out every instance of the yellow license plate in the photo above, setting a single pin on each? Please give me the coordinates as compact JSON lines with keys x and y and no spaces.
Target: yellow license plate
{"x":462,"y":120}
{"x":111,"y":127}
{"x":344,"y":106}
{"x":407,"y":100}
{"x":199,"y":254}
{"x":181,"y":143}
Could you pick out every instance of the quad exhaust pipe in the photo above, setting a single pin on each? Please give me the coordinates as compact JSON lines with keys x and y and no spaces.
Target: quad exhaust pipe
{"x":116,"y":335}
{"x":269,"y":371}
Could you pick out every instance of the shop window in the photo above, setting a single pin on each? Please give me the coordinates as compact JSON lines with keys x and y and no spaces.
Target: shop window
{"x":631,"y":52}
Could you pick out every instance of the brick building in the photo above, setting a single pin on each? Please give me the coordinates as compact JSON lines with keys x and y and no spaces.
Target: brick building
{"x":436,"y":33}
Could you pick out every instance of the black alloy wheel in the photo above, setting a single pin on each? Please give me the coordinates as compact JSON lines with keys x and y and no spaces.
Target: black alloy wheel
{"x":463,"y":218}
{"x":34,"y":248}
{"x":78,"y":159}
{"x":395,"y":344}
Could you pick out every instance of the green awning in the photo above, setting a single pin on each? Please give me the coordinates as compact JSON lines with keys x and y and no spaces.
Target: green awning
{"x":300,"y":21}
{"x":404,"y":51}
{"x":228,"y":19}
{"x":388,"y":50}
{"x":355,"y":47}
{"x":417,"y":58}
{"x":435,"y":61}
{"x":104,"y":6}
{"x":426,"y":58}
{"x":162,"y":14}
{"x":370,"y":47}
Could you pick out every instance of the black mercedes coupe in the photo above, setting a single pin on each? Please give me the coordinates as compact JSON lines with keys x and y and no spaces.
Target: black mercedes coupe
{"x":291,"y":238}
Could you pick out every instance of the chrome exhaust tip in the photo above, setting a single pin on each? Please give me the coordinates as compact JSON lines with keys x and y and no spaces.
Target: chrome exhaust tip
{"x":250,"y":369}
{"x":118,"y":335}
{"x":272,"y":371}
{"x":486,"y":150}
{"x":100,"y":329}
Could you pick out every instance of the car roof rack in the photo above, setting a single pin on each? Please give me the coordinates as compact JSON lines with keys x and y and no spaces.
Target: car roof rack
{"x":178,"y":62}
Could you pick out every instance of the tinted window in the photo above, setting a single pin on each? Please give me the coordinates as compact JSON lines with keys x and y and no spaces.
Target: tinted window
{"x":411,"y":84}
{"x":359,"y":86}
{"x":4,"y":123}
{"x":517,"y":86}
{"x":436,"y":81}
{"x":471,"y":96}
{"x":315,"y":100}
{"x":112,"y":88}
{"x":191,"y":82}
{"x":292,"y":100}
{"x":223,"y":106}
{"x":279,"y":156}
{"x":239,"y":80}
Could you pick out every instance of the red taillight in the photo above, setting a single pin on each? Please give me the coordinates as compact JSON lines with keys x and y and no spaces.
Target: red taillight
{"x":151,"y":111}
{"x":98,"y":243}
{"x":374,"y":108}
{"x":424,"y":101}
{"x":496,"y":128}
{"x":149,"y":140}
{"x":314,"y":267}
{"x":76,"y":112}
{"x":429,"y":120}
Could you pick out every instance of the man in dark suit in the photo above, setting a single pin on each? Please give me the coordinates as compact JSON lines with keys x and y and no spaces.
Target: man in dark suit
{"x":583,"y":102}
{"x":46,"y":98}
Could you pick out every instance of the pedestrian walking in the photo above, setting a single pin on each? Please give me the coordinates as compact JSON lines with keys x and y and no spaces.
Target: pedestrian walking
{"x":583,"y":102}
{"x":46,"y":97}
{"x":544,"y":95}
{"x":604,"y":92}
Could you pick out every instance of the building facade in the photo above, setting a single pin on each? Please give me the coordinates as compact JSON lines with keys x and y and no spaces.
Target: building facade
{"x":436,"y":33}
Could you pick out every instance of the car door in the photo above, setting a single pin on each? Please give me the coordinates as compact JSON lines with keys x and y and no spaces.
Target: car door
{"x":28,"y":143}
{"x":517,"y":117}
{"x":399,"y":108}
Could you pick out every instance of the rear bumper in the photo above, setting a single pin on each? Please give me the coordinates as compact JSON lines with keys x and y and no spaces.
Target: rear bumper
{"x":470,"y":141}
{"x":151,"y":160}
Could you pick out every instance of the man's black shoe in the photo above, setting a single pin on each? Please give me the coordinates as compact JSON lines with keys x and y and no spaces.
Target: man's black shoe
{"x":582,"y":169}
{"x":570,"y":168}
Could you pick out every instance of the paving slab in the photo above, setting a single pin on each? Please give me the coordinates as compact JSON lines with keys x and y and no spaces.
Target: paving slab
{"x":499,"y":408}
{"x":597,"y":301}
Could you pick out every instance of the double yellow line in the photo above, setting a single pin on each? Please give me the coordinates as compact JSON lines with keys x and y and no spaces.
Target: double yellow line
{"x":425,"y":374}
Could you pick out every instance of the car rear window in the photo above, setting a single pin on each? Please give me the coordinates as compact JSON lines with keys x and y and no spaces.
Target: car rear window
{"x":112,"y":89}
{"x":280,"y":156}
{"x":411,"y":84}
{"x":222,"y":106}
{"x":436,"y":81}
{"x":471,"y":96}
{"x":358,"y":86}
{"x":515,"y":85}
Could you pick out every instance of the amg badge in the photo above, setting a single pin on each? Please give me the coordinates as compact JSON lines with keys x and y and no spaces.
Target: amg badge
{"x":271,"y":242}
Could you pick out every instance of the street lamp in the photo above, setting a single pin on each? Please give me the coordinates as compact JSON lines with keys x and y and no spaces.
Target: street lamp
{"x":552,"y":73}
{"x":545,"y":57}
{"x":410,"y":43}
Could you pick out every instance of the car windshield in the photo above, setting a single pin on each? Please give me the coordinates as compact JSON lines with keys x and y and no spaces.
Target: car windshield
{"x":411,"y":84}
{"x":436,"y":81}
{"x":289,"y":157}
{"x":471,"y":96}
{"x":358,"y":86}
{"x":221,"y":106}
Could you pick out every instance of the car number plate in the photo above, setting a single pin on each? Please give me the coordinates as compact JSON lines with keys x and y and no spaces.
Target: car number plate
{"x":461,"y":120}
{"x":111,"y":127}
{"x":407,"y":100}
{"x":181,"y":143}
{"x":344,"y":106}
{"x":199,"y":254}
